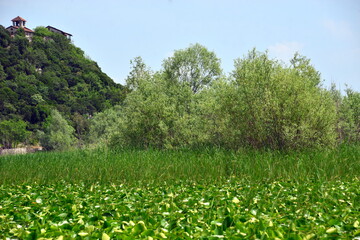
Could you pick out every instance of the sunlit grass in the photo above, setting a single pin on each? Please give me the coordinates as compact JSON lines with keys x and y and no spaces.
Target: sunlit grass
{"x":158,"y":166}
{"x":181,"y":194}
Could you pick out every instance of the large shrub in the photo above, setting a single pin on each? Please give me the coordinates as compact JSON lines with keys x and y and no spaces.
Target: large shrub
{"x":58,"y":134}
{"x":163,"y":110}
{"x":13,"y":132}
{"x":154,"y":115}
{"x":267,"y":104}
{"x":348,"y":111}
{"x":104,"y":125}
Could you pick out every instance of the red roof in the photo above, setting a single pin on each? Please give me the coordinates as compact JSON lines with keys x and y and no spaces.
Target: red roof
{"x":28,"y":30}
{"x":25,"y":29}
{"x":18,"y":19}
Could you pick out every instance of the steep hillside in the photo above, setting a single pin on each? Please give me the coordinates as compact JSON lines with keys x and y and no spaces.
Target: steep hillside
{"x":50,"y":72}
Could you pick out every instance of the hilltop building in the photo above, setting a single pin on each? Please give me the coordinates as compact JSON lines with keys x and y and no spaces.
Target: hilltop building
{"x":55,"y":30}
{"x":19,"y":22}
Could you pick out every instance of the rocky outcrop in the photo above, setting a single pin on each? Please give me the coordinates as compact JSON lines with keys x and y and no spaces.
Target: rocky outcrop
{"x":24,"y":150}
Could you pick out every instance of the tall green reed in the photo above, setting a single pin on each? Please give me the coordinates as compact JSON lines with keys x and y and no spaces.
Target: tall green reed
{"x":163,"y":166}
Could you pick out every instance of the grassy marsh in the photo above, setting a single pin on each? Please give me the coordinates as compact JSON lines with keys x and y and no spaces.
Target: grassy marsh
{"x":158,"y":166}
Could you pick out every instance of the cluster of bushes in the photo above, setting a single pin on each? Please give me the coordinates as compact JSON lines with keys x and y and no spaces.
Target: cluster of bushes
{"x":190,"y":102}
{"x":263,"y":103}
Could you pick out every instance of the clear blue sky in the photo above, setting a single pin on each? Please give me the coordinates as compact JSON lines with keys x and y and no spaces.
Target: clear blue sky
{"x":114,"y":32}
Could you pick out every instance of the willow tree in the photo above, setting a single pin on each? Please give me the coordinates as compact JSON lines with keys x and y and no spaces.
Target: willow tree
{"x":194,"y":66}
{"x":267,"y":104}
{"x":58,"y":134}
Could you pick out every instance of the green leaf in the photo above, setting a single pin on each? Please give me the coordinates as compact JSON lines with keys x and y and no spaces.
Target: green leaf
{"x":105,"y":237}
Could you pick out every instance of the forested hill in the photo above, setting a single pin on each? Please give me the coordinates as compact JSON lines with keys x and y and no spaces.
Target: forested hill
{"x":47,"y":73}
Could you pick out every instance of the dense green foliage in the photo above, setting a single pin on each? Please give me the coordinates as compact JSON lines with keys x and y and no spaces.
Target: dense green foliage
{"x":264,"y":153}
{"x":195,"y":67}
{"x":233,"y":210}
{"x":262,"y":104}
{"x":50,"y":73}
{"x":159,"y":166}
{"x":267,"y":104}
{"x":155,"y":114}
{"x":58,"y":135}
{"x":348,"y":115}
{"x":13,"y":132}
{"x":208,"y":194}
{"x":104,"y":125}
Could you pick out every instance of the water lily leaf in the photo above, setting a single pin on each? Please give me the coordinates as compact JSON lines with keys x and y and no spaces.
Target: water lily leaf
{"x":83,"y":234}
{"x":331,"y":230}
{"x":105,"y":237}
{"x":356,"y":224}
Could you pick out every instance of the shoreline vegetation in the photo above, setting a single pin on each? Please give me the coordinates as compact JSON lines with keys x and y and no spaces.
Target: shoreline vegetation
{"x":185,"y":152}
{"x":181,"y":194}
{"x":52,"y":95}
{"x":104,"y":165}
